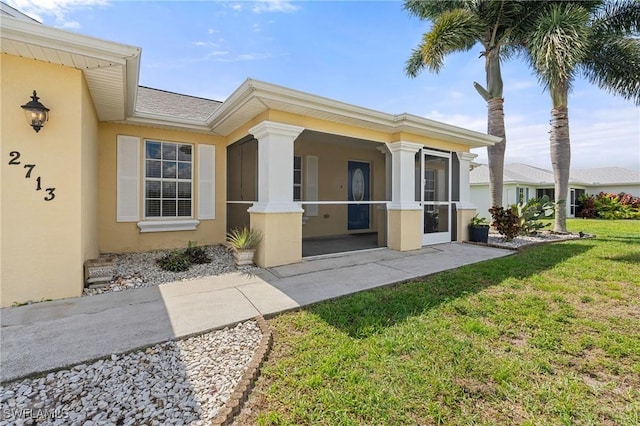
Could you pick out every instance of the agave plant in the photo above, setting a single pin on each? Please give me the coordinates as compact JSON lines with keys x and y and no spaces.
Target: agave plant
{"x":244,"y":238}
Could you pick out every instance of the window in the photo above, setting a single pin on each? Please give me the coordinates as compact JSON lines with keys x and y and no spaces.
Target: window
{"x":522,"y":195}
{"x":541,"y":192}
{"x":297,"y":178}
{"x":168,"y":182}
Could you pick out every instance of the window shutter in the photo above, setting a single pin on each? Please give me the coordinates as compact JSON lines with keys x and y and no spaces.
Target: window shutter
{"x":311,"y":185}
{"x":206,"y":182}
{"x":128,"y":179}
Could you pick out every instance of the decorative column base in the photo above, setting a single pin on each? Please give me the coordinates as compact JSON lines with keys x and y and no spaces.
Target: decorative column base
{"x":405,"y":230}
{"x":281,"y":238}
{"x":465,"y":211}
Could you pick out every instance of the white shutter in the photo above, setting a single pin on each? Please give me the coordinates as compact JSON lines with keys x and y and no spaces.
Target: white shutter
{"x":206,"y":182}
{"x":128,"y":179}
{"x":311,"y":185}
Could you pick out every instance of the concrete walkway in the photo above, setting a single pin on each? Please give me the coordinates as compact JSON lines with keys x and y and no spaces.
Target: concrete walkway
{"x":50,"y":335}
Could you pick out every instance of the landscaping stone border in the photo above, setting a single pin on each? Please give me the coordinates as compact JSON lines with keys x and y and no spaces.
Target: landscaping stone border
{"x":243,"y":389}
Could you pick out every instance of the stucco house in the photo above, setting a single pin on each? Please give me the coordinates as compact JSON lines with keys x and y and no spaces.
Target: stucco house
{"x":123,"y":168}
{"x":523,"y":182}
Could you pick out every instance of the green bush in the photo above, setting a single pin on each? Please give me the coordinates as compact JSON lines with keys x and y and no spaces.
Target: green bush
{"x":609,"y":206}
{"x":175,"y":261}
{"x":197,"y":255}
{"x":531,"y":213}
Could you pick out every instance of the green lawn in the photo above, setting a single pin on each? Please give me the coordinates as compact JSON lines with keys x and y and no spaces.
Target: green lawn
{"x":545,"y":337}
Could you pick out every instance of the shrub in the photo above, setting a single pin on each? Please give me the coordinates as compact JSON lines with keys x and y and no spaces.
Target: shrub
{"x":197,"y":255}
{"x":587,"y":207}
{"x":530,"y":214}
{"x":610,"y":206}
{"x":174,"y":261}
{"x":505,"y":221}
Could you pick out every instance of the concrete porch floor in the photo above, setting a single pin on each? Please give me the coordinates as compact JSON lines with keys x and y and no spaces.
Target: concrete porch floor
{"x":316,"y":246}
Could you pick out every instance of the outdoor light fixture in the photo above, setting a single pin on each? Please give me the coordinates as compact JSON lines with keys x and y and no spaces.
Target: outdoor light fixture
{"x":36,"y":113}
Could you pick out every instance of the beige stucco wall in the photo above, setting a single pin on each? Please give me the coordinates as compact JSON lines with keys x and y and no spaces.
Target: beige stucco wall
{"x":405,"y":229}
{"x":41,"y":241}
{"x":463,"y":218}
{"x":281,"y":238}
{"x":120,"y":237}
{"x":333,"y":159}
{"x":89,"y":177}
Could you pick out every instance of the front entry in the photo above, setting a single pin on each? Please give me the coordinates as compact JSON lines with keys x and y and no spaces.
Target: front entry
{"x":358,"y":190}
{"x":435,"y":197}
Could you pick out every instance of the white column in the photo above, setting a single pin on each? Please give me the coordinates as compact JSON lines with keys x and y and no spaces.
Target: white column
{"x":275,"y":167}
{"x":465,"y":159}
{"x":403,"y":195}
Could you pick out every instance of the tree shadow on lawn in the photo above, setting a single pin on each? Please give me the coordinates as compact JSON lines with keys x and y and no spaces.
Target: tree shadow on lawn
{"x":370,"y":312}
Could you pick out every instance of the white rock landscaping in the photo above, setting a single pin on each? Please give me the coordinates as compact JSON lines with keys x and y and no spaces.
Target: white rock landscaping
{"x":179,"y":383}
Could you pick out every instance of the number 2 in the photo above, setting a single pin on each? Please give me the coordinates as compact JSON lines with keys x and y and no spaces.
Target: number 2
{"x":15,"y":155}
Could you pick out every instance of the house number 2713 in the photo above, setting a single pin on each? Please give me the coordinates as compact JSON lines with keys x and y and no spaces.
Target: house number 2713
{"x":15,"y":161}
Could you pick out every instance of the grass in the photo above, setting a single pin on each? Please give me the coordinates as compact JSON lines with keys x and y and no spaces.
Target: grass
{"x":549,"y":336}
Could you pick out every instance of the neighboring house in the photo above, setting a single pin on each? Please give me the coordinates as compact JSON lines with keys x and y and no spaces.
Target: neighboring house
{"x":123,"y":168}
{"x":523,"y":182}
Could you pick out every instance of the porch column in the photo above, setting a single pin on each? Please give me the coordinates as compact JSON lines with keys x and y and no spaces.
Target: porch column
{"x":464,"y":207}
{"x":404,"y":230}
{"x":275,"y":214}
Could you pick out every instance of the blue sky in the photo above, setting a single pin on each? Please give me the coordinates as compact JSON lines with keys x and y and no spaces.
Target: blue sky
{"x":352,"y":51}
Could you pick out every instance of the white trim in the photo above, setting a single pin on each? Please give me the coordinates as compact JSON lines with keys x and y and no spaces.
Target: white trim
{"x":276,"y":207}
{"x":168,"y":225}
{"x":206,"y":181}
{"x":127,"y":179}
{"x":266,"y":92}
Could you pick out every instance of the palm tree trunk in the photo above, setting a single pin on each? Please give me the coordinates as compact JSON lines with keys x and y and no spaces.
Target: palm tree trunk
{"x":495,"y":153}
{"x":560,"y":148}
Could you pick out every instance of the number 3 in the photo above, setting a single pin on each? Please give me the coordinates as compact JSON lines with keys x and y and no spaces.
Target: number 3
{"x":51,"y":195}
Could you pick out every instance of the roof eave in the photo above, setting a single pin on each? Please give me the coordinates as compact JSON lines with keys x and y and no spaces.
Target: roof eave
{"x":251,"y":89}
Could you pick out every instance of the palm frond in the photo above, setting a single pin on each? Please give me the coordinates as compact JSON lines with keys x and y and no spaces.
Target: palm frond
{"x":431,"y":9}
{"x":613,"y":64}
{"x":617,"y":17}
{"x":453,"y":31}
{"x":559,"y":42}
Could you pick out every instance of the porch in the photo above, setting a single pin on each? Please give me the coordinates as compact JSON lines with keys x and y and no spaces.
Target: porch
{"x":339,"y":193}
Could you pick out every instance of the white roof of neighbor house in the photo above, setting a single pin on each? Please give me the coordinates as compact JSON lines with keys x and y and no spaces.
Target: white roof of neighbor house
{"x":170,"y":104}
{"x":513,"y":173}
{"x":607,"y":175}
{"x":525,"y":174}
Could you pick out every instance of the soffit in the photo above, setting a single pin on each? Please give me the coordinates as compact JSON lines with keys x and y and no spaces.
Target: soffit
{"x":108,"y":67}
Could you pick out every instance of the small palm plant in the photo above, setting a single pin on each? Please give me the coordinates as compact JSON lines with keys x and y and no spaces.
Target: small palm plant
{"x":244,"y":238}
{"x":244,"y":242}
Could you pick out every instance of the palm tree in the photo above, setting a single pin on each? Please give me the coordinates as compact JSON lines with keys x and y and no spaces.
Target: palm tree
{"x":595,"y":39}
{"x":458,"y":26}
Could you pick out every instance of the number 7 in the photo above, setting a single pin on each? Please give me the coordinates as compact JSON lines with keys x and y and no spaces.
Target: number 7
{"x":30,"y":167}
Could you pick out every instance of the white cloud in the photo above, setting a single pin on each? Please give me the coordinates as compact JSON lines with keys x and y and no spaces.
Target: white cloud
{"x":56,"y":8}
{"x":212,"y":31}
{"x":256,"y":28}
{"x":607,"y":136}
{"x":284,"y":6}
{"x":237,"y":7}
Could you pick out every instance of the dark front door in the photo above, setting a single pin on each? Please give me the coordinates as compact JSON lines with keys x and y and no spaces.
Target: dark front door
{"x":358,"y":190}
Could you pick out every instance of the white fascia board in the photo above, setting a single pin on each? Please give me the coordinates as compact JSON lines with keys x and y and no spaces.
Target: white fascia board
{"x":399,"y":122}
{"x":166,"y":121}
{"x":65,"y":41}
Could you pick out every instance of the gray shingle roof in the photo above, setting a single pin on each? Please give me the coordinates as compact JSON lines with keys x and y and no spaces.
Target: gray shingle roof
{"x":523,"y":173}
{"x":154,"y":101}
{"x":607,"y":175}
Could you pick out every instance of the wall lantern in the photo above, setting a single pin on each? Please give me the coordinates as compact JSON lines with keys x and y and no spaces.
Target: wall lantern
{"x":36,"y":113}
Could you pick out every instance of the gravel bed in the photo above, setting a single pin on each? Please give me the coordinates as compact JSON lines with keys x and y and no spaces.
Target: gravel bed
{"x":184,"y":382}
{"x":137,"y":270}
{"x":525,"y":240}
